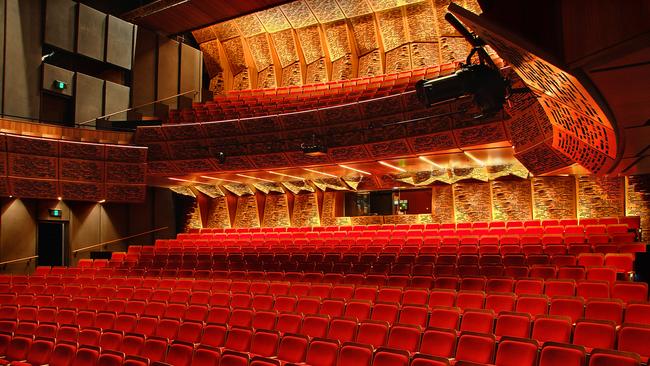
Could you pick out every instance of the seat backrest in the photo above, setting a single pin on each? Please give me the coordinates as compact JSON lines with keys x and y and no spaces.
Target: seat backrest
{"x":239,"y":339}
{"x":405,"y":337}
{"x":561,"y":354}
{"x":475,"y":347}
{"x":516,"y":352}
{"x":390,"y":357}
{"x":480,"y":321}
{"x":637,"y":313}
{"x":634,"y":338}
{"x":372,"y":332}
{"x":342,"y":329}
{"x":293,"y":348}
{"x":513,"y":325}
{"x":552,"y":329}
{"x":605,"y":357}
{"x":594,"y":334}
{"x":355,"y":354}
{"x":322,"y":352}
{"x":439,"y":342}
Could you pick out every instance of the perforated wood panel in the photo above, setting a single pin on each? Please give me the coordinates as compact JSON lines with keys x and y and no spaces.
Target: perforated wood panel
{"x":581,"y":131}
{"x":247,"y":214}
{"x":554,"y":197}
{"x":472,"y":201}
{"x":305,"y":210}
{"x":600,"y":196}
{"x":218,"y":214}
{"x":511,"y":200}
{"x":638,"y":200}
{"x":276,"y":211}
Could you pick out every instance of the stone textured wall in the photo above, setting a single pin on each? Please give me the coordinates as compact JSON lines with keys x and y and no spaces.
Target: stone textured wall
{"x":246,"y":214}
{"x":328,"y":212}
{"x":305,"y":210}
{"x":601,"y":196}
{"x":276,"y":211}
{"x":511,"y":200}
{"x":442,"y":203}
{"x":472,"y":201}
{"x":638,"y":199}
{"x":554,"y":198}
{"x":218,"y":213}
{"x":540,"y":198}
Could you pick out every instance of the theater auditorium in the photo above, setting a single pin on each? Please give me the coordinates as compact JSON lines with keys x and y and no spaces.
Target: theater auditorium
{"x":324,"y":182}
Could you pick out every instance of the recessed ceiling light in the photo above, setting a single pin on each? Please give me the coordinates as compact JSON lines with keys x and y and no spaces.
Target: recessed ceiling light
{"x":392,"y":166}
{"x":354,"y":169}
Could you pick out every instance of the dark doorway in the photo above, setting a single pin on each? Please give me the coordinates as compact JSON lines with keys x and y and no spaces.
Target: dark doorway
{"x":50,"y":247}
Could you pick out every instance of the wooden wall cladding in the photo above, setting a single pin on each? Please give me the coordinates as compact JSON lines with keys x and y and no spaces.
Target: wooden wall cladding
{"x":600,"y":196}
{"x":638,"y":200}
{"x":511,"y":200}
{"x":218,"y":213}
{"x":246,"y":214}
{"x":305,"y":210}
{"x":472,"y":201}
{"x":72,"y":170}
{"x":276,"y":211}
{"x":188,"y":214}
{"x":554,"y":197}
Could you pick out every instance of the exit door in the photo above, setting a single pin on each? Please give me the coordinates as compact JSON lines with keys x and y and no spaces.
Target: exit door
{"x":50,"y":246}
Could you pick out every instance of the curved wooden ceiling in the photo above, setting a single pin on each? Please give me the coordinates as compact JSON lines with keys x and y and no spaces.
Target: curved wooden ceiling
{"x":311,"y":41}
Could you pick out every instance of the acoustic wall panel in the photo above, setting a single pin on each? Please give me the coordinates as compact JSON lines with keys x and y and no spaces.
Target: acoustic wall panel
{"x":22,"y":69}
{"x":116,"y":99}
{"x":119,"y":42}
{"x":144,"y":70}
{"x":60,"y":24}
{"x":168,"y":62}
{"x":191,"y":72}
{"x":91,"y":32}
{"x":52,"y":73}
{"x":88,"y":98}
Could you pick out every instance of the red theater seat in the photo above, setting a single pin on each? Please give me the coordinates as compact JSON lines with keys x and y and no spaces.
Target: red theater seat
{"x":561,"y":354}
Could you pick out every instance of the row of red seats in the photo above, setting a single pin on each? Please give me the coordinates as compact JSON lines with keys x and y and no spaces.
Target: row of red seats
{"x":419,"y":309}
{"x":249,"y":103}
{"x":436,"y":341}
{"x":623,"y":230}
{"x":633,"y":222}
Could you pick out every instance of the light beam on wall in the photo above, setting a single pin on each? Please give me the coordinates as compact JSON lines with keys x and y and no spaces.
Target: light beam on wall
{"x":317,"y":172}
{"x":399,"y":169}
{"x":424,"y":158}
{"x":256,"y":178}
{"x":354,"y":169}
{"x":285,"y":175}
{"x":476,"y":160}
{"x":184,"y":180}
{"x":221,"y":179}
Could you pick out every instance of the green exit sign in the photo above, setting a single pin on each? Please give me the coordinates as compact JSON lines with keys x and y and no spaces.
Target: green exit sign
{"x":60,"y":85}
{"x":55,"y":212}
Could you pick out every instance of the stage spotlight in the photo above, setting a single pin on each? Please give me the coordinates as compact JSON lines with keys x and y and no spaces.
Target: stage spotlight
{"x":313,"y":148}
{"x":484,"y":83}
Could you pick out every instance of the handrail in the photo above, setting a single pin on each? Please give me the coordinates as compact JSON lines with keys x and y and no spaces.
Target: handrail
{"x":118,"y":240}
{"x":25,"y":259}
{"x":136,"y":107}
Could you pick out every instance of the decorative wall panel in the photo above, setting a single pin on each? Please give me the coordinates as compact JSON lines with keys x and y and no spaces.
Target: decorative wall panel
{"x":600,"y":196}
{"x":511,"y":200}
{"x":442,"y":203}
{"x":247,"y":214}
{"x":305,"y":210}
{"x":638,"y":200}
{"x":276,"y":211}
{"x":472,"y":201}
{"x":366,"y":220}
{"x":218,"y":214}
{"x":328,"y":213}
{"x":554,"y":197}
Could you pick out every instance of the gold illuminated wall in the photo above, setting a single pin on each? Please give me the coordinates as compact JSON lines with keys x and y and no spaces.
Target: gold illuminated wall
{"x":312,"y":41}
{"x":554,"y":197}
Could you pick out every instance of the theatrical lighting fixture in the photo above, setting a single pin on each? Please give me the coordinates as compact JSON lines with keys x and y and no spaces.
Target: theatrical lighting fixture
{"x":285,"y":175}
{"x":354,"y":169}
{"x":256,"y":178}
{"x":392,"y":166}
{"x":477,"y":160}
{"x":482,"y":81}
{"x":222,"y":179}
{"x":424,"y":158}
{"x":323,"y":173}
{"x":221,"y":157}
{"x":313,"y":148}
